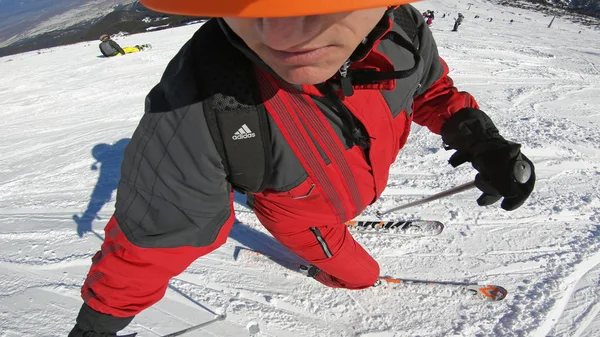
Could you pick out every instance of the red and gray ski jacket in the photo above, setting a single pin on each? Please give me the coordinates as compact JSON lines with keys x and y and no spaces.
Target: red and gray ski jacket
{"x":174,"y":203}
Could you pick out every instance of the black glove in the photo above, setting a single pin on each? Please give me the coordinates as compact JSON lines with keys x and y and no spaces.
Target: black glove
{"x":91,"y":323}
{"x":503,"y":170}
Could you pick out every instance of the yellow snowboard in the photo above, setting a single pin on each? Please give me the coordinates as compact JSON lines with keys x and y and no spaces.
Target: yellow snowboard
{"x":135,"y":49}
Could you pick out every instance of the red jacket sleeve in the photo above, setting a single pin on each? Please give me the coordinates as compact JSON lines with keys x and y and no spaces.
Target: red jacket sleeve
{"x":440,"y":101}
{"x":125,"y":279}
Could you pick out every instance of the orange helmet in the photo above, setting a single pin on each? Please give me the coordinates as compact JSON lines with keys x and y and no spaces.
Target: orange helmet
{"x":263,"y":8}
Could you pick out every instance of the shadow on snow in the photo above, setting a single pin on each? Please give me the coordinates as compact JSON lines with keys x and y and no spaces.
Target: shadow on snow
{"x":108,"y":163}
{"x":257,"y":241}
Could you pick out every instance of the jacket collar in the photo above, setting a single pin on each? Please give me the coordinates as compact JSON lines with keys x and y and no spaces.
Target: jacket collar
{"x":365,"y":56}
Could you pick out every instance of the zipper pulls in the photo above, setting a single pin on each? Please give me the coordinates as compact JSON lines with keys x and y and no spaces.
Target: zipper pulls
{"x":345,"y":81}
{"x":353,"y":131}
{"x":344,"y":68}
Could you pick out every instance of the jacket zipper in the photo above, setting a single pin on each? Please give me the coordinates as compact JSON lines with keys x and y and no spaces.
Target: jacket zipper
{"x":358,"y":135}
{"x":345,"y":81}
{"x":321,"y":241}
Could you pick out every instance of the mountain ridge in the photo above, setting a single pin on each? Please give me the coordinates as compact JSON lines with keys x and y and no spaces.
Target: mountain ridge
{"x":125,"y":18}
{"x":130,"y":17}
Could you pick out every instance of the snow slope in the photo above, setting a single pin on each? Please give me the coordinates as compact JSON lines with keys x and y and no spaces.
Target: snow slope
{"x":540,"y":85}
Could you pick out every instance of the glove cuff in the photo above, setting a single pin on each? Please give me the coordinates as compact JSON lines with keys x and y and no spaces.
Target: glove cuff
{"x":92,"y":320}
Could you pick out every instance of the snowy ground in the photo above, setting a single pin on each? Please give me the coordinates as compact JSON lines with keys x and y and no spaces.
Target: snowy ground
{"x":542,"y":88}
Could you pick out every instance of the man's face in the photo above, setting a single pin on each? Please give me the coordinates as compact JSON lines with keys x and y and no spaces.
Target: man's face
{"x":306,"y":49}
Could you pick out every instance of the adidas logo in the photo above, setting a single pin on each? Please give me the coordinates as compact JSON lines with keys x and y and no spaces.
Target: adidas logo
{"x":243,"y":133}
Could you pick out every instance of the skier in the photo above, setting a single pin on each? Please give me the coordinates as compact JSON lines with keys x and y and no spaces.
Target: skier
{"x":458,"y":22}
{"x":430,"y":17}
{"x":109,"y":48}
{"x":339,"y":84}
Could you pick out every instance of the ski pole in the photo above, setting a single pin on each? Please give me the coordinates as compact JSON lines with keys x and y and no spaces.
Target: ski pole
{"x":440,"y":195}
{"x":195,"y":327}
{"x":521,"y":173}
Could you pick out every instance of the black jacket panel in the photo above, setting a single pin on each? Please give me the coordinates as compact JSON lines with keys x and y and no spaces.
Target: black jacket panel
{"x":430,"y":69}
{"x":173,"y":189}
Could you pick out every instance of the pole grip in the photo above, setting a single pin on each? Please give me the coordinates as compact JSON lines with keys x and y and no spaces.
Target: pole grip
{"x":522,"y":171}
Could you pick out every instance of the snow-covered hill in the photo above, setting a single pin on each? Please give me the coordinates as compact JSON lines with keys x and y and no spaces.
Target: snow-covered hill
{"x":540,"y":85}
{"x":23,"y":19}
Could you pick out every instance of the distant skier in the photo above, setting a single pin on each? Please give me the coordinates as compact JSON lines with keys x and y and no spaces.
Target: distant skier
{"x":458,"y":22}
{"x":109,"y":48}
{"x":429,"y":15}
{"x":430,"y":18}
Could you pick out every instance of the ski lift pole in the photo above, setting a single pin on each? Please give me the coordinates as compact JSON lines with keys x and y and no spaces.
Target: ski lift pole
{"x":521,"y":173}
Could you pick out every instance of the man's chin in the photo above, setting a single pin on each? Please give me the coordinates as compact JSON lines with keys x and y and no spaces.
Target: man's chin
{"x":305,"y":75}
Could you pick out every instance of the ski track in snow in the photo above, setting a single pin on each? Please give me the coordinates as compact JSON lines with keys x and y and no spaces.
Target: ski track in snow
{"x":542,"y":88}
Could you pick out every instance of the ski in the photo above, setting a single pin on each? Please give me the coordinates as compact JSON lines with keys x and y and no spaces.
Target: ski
{"x":402,"y":227}
{"x":487,"y":292}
